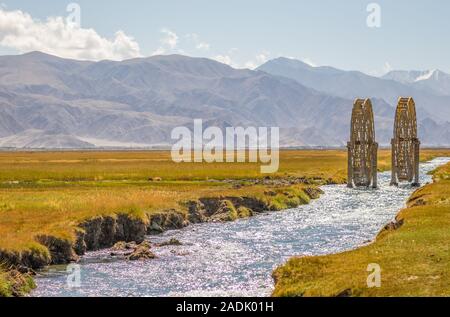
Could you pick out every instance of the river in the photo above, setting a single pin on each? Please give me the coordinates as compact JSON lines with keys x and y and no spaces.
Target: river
{"x":237,"y":258}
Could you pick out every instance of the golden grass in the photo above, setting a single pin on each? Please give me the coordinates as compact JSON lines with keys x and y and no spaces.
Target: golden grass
{"x":414,"y":259}
{"x":134,"y":166}
{"x":39,"y":167}
{"x":50,"y":192}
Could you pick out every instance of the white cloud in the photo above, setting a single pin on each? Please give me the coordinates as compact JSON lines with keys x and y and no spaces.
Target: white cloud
{"x":260,"y":59}
{"x":170,"y":38}
{"x":230,"y":58}
{"x":169,"y":42}
{"x":199,"y":44}
{"x":225,"y":59}
{"x":387,"y":67}
{"x":250,"y":65}
{"x":19,"y":31}
{"x":203,"y":46}
{"x":309,"y":62}
{"x":305,"y":60}
{"x":159,"y":51}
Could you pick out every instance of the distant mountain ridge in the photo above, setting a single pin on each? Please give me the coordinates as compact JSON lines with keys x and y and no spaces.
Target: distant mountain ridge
{"x":430,"y":89}
{"x":434,"y":80}
{"x":46,"y":102}
{"x":432,"y":96}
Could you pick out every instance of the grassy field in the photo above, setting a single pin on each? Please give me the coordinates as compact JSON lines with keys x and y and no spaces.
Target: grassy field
{"x":45,"y":192}
{"x":414,"y":259}
{"x":57,"y":168}
{"x":51,"y":192}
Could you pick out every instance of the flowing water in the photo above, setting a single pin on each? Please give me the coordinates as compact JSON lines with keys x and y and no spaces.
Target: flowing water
{"x":237,"y":258}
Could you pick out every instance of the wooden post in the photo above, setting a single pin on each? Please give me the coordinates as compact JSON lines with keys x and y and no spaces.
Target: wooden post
{"x":393,"y":164}
{"x":375,"y":165}
{"x":416,"y":163}
{"x":349,"y":166}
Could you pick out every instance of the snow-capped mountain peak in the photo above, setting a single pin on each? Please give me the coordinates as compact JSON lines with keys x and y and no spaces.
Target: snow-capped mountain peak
{"x":434,"y":80}
{"x":431,"y":74}
{"x":413,"y":76}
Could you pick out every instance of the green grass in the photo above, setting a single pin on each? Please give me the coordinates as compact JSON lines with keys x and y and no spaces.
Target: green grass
{"x":414,"y":259}
{"x":13,"y":283}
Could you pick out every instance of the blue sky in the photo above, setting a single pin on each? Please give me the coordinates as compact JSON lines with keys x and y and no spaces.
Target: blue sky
{"x":413,"y":34}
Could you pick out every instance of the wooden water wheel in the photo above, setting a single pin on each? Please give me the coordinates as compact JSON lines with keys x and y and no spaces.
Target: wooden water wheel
{"x":405,"y":144}
{"x":362,"y":148}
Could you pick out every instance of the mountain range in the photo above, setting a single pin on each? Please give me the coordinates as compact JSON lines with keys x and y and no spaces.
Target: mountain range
{"x":51,"y":102}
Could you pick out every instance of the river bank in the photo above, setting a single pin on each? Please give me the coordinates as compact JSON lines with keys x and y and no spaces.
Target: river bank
{"x":51,"y":215}
{"x":105,"y":231}
{"x":41,"y":224}
{"x":412,"y":253}
{"x":236,"y":258}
